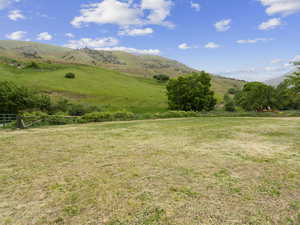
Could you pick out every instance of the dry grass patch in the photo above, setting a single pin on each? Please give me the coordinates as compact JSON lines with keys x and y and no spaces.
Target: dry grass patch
{"x":191,"y":171}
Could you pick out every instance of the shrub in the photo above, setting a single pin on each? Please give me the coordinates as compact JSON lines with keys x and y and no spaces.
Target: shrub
{"x":176,"y":114}
{"x":230,"y":106}
{"x":33,"y":65}
{"x":108,"y":116}
{"x":73,"y":109}
{"x":232,"y":91}
{"x":14,"y":99}
{"x":161,"y":77}
{"x":70,"y":75}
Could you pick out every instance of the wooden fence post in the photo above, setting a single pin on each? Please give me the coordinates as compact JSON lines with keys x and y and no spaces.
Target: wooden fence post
{"x":20,"y":123}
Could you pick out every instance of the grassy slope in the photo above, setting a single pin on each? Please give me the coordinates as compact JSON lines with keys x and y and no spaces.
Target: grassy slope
{"x":212,"y":171}
{"x":100,"y":86}
{"x":97,"y":85}
{"x":93,"y":85}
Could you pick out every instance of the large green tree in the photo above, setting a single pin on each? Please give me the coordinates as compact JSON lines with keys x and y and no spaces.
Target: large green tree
{"x":257,"y":96}
{"x":191,"y":92}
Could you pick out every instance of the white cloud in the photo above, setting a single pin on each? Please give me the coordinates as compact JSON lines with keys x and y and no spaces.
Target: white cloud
{"x":92,"y":43}
{"x":296,"y":58}
{"x":69,"y":35}
{"x":270,"y":24}
{"x":223,"y":25}
{"x":283,"y":7}
{"x":16,"y":15}
{"x":184,"y":46}
{"x":108,"y":11}
{"x":277,"y":61}
{"x":159,"y":11}
{"x":132,"y":50}
{"x":6,"y":3}
{"x":195,"y":6}
{"x":45,"y":36}
{"x":125,"y":14}
{"x":253,"y":41}
{"x":136,"y":32}
{"x":18,"y":35}
{"x":212,"y":45}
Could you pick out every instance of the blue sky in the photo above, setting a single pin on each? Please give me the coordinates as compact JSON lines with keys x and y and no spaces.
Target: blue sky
{"x":245,"y":39}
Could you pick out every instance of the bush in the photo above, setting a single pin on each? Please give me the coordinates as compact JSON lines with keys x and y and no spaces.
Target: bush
{"x":32,"y":65}
{"x":230,"y":106}
{"x":161,"y":77}
{"x":232,"y":91}
{"x":108,"y":116}
{"x":70,"y":75}
{"x":73,"y":109}
{"x":176,"y":114}
{"x":14,"y":99}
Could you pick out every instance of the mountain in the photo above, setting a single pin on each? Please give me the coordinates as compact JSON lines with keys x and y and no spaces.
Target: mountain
{"x":112,"y":79}
{"x":141,"y":65}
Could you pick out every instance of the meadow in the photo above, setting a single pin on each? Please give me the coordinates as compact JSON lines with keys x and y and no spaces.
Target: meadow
{"x":192,"y":171}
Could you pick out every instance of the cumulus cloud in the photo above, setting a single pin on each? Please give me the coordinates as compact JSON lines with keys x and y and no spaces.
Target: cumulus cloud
{"x":92,"y":43}
{"x":132,"y":50}
{"x":195,"y":6}
{"x":270,"y":24}
{"x":69,"y":35}
{"x":296,"y":58}
{"x":136,"y":32}
{"x":283,"y":7}
{"x":16,"y":15}
{"x":223,"y":25}
{"x":184,"y":46}
{"x":108,"y":11}
{"x":18,"y":35}
{"x":6,"y":3}
{"x":125,"y":14}
{"x":159,"y":11}
{"x":45,"y":36}
{"x":276,"y":61}
{"x":212,"y":45}
{"x":253,"y":41}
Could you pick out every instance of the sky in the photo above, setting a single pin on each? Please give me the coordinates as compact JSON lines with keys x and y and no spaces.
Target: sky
{"x":244,"y":39}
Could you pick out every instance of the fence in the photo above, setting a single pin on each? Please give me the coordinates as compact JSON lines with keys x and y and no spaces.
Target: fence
{"x":5,"y":119}
{"x":22,"y":122}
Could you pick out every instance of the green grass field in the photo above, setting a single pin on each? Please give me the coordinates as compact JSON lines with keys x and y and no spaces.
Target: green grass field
{"x":92,"y":85}
{"x":208,"y":171}
{"x":98,"y":86}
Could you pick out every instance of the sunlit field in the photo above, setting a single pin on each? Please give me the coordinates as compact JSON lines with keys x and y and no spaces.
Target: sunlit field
{"x":198,"y":171}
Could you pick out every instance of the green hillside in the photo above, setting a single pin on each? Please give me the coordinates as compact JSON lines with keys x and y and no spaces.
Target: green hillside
{"x":113,"y":79}
{"x":93,"y":85}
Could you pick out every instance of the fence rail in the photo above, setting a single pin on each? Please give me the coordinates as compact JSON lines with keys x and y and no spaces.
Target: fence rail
{"x":5,"y":119}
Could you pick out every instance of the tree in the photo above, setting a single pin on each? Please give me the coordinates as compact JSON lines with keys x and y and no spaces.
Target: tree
{"x":191,"y":93}
{"x":257,"y":96}
{"x":293,"y":86}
